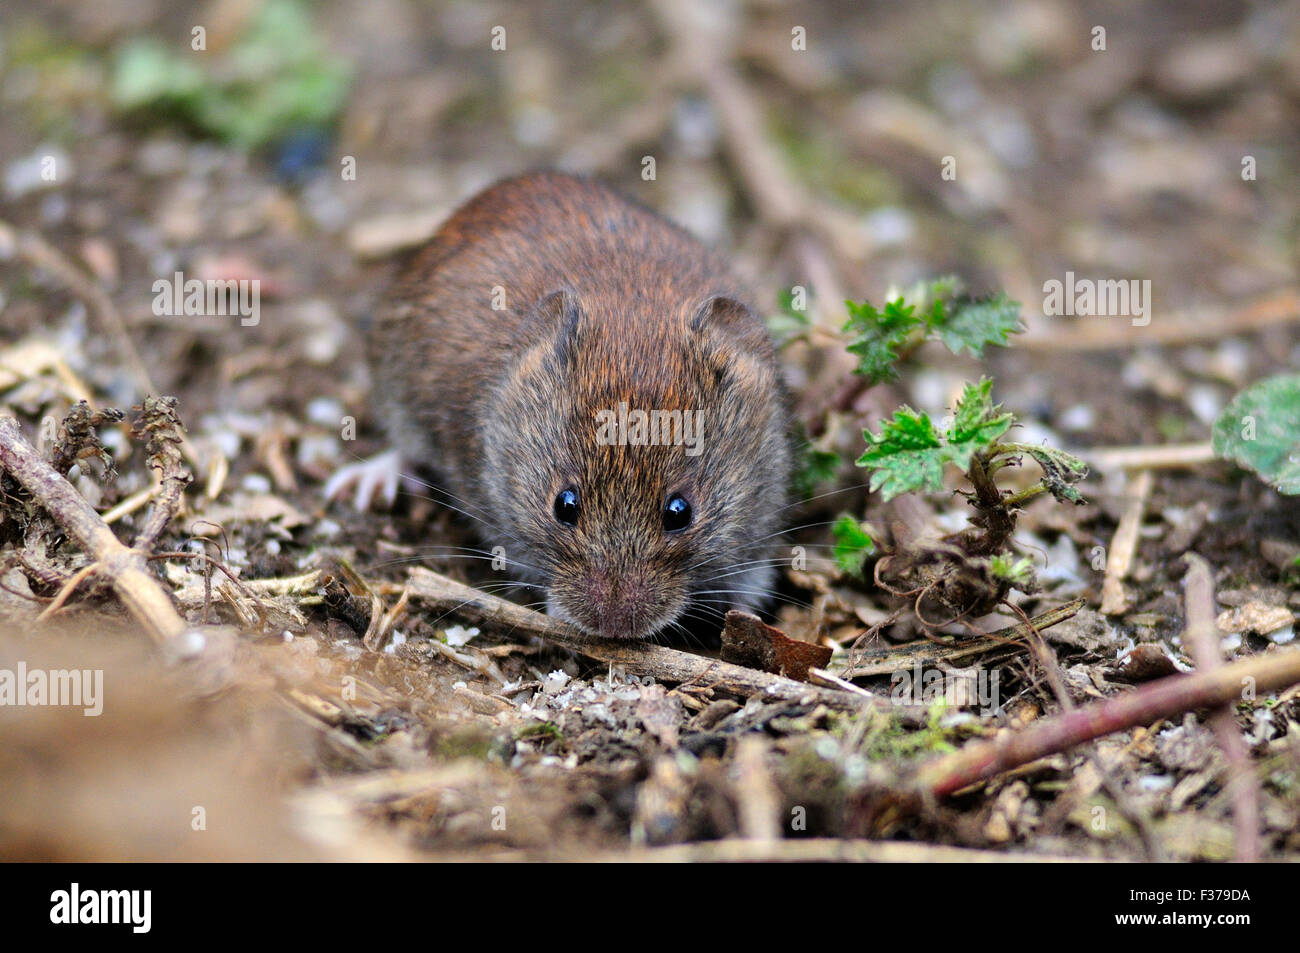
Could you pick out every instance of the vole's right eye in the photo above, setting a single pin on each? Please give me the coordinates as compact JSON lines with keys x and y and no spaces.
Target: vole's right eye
{"x":566,"y":506}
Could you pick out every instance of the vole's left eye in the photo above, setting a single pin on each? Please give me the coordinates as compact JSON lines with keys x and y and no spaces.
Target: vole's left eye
{"x":567,"y":506}
{"x":677,"y":513}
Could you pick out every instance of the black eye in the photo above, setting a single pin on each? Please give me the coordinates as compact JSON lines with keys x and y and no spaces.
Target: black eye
{"x":677,"y":513}
{"x":566,"y":506}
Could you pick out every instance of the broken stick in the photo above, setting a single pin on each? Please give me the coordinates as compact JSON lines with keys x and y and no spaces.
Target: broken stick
{"x":664,"y":664}
{"x":1202,"y":637}
{"x":1165,"y":698}
{"x":124,"y":567}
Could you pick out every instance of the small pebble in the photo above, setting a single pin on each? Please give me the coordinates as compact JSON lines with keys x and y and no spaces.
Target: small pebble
{"x":1205,"y":402}
{"x":458,"y":635}
{"x":47,"y":168}
{"x":256,"y":483}
{"x":1077,"y":419}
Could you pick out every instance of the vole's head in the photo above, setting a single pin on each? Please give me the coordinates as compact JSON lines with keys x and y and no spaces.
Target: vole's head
{"x":640,"y":461}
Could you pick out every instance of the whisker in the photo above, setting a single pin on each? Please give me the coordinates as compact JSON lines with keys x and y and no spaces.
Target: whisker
{"x":751,"y":593}
{"x":822,"y":496}
{"x":764,"y":561}
{"x":467,"y":554}
{"x":447,"y":495}
{"x":752,"y":544}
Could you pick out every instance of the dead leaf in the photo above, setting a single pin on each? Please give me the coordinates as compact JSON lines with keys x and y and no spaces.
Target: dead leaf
{"x":747,"y":640}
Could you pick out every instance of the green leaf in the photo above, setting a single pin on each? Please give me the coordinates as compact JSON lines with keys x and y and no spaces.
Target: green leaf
{"x":907,"y":456}
{"x":818,"y":466}
{"x":973,"y":325}
{"x":878,"y":336}
{"x":937,"y":309}
{"x":147,"y":73}
{"x":785,"y":301}
{"x":1260,"y":430}
{"x":976,"y":423}
{"x":788,"y":322}
{"x":1017,"y":570}
{"x":852,"y":545}
{"x":1060,"y":470}
{"x":938,"y":294}
{"x":277,"y":77}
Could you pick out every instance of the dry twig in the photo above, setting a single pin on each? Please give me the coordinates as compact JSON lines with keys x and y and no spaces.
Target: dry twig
{"x":1176,"y":456}
{"x":1202,"y":637}
{"x":124,"y":567}
{"x":664,"y":664}
{"x":1282,"y":307}
{"x":1164,"y":698}
{"x":669,"y":665}
{"x":1114,"y":600}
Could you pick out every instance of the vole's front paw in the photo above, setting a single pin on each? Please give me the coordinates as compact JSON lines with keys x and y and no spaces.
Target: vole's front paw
{"x":377,"y":476}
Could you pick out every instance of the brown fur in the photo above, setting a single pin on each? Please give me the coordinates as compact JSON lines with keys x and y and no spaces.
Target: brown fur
{"x":605,"y":302}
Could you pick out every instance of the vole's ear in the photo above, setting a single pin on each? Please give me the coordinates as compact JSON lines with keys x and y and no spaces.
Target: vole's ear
{"x":725,"y":315}
{"x":557,"y":318}
{"x":722,"y":312}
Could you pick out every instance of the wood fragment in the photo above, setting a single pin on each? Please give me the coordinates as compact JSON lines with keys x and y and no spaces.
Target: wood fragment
{"x":128,"y":506}
{"x":895,"y":658}
{"x":1186,"y":327}
{"x":668,"y":665}
{"x":1202,"y":638}
{"x":381,"y":633}
{"x":1119,"y":559}
{"x":471,"y":660}
{"x":1165,"y":698}
{"x":322,"y":709}
{"x":480,"y":703}
{"x":756,"y":793}
{"x":819,"y":676}
{"x":69,"y":587}
{"x":1177,"y":456}
{"x":125,"y":568}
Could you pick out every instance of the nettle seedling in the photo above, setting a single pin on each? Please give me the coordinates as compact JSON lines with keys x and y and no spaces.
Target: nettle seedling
{"x":883,"y":338}
{"x":967,"y":573}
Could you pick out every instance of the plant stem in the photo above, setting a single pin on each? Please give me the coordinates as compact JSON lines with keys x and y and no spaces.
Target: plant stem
{"x":1164,"y":698}
{"x":996,"y":519}
{"x":1017,"y":500}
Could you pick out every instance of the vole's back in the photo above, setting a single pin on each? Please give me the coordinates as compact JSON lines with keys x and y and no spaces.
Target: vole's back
{"x":453,"y":323}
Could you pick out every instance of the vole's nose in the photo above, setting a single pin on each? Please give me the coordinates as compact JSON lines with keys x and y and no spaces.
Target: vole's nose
{"x":614,"y":622}
{"x":619,"y":606}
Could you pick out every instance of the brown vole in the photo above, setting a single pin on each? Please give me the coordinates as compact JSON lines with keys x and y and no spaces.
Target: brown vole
{"x":512,"y":357}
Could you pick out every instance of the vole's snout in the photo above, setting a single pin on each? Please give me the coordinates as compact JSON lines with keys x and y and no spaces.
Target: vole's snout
{"x":617,"y":605}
